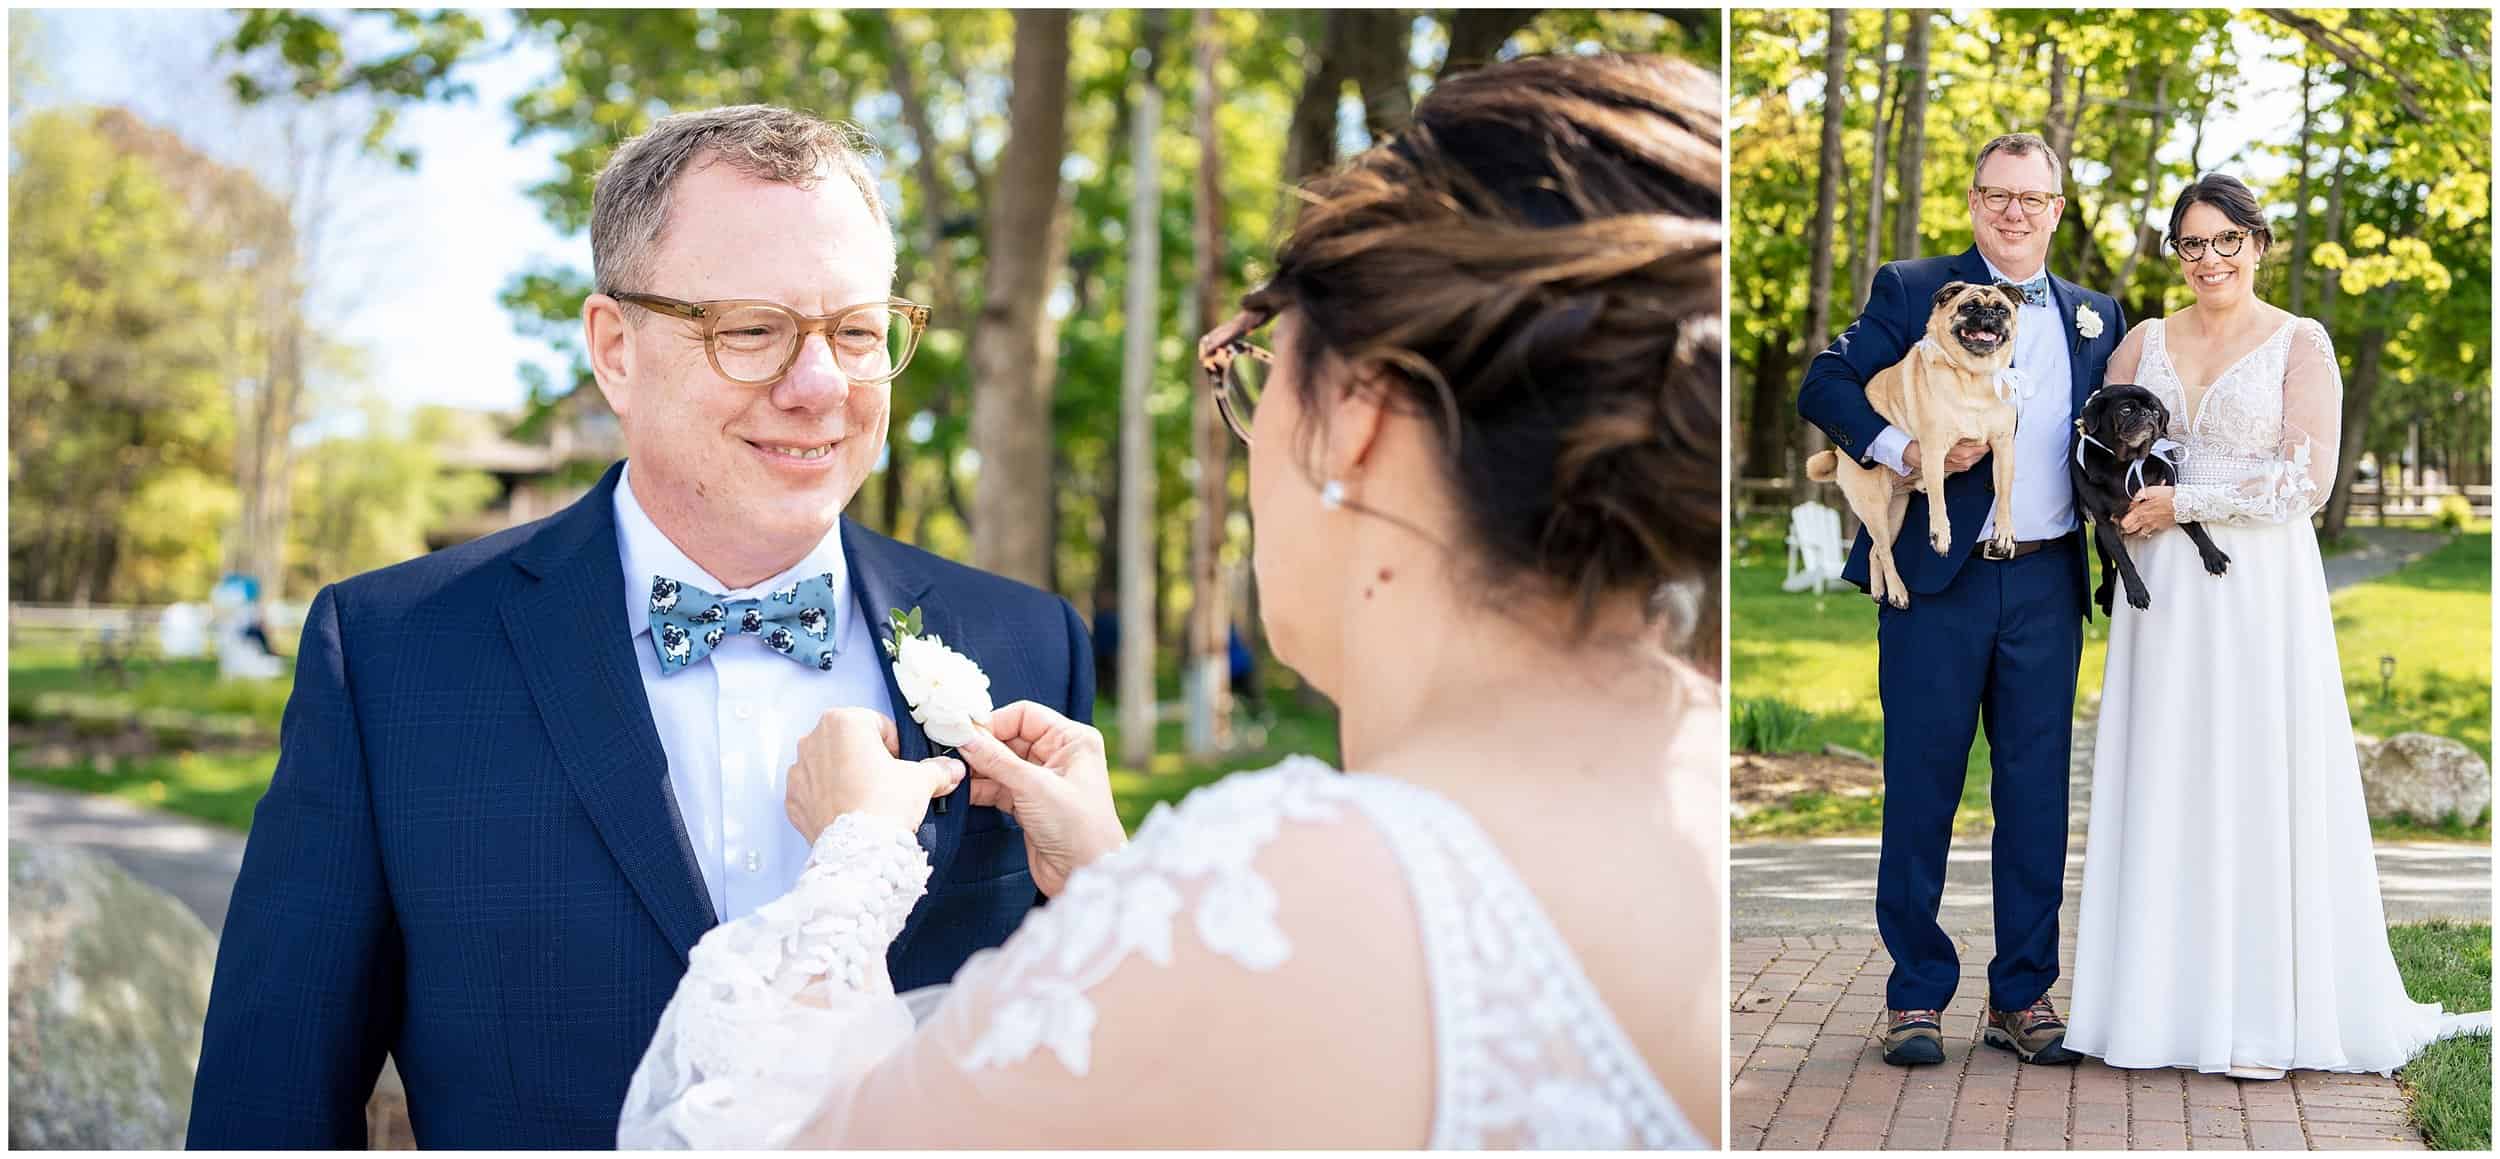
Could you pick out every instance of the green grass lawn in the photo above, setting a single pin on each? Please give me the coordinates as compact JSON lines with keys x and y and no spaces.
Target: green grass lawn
{"x":2449,"y":963}
{"x":1818,"y":654}
{"x":49,"y":687}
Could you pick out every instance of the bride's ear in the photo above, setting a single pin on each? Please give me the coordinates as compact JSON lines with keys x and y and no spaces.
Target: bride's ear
{"x":1354,"y":417}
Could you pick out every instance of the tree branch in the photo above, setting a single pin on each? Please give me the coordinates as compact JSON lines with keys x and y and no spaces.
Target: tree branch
{"x":2353,"y":56}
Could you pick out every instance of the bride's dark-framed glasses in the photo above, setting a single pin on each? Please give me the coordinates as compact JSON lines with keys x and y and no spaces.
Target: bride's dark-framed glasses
{"x":1997,"y":197}
{"x":2227,"y":244}
{"x":753,"y":342}
{"x":1236,"y":369}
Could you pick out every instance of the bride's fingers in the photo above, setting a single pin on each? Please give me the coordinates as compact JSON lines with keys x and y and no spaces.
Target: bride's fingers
{"x":944,"y":774}
{"x":990,"y":794}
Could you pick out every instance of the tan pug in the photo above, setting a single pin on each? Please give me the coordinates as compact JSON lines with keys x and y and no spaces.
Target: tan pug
{"x":1951,"y":386}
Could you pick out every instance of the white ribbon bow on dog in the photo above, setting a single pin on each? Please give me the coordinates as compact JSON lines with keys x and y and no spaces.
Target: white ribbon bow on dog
{"x":2010,"y":382}
{"x":2166,"y":449}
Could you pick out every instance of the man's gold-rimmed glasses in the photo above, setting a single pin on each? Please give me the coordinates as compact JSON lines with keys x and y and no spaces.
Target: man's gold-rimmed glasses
{"x":753,"y":342}
{"x":1997,"y":197}
{"x":1236,"y":369}
{"x":2227,"y":243}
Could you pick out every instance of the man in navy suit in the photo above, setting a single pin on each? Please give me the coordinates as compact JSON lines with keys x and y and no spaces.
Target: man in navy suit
{"x":520,"y":778}
{"x":1985,"y":639}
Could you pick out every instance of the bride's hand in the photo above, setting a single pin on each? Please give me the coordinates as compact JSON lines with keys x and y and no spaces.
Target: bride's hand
{"x":2152,"y":512}
{"x":847,"y":764}
{"x":1048,"y":772}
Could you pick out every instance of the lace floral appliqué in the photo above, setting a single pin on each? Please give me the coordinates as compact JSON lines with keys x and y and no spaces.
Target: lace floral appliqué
{"x":1128,"y":904}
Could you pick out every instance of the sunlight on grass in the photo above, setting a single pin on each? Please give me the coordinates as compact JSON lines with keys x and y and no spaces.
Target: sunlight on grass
{"x":2449,"y":963}
{"x":1818,"y":654}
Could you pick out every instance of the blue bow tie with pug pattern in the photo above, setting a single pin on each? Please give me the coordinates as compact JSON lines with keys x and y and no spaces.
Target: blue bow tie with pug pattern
{"x":2035,"y":291}
{"x":688,"y":622}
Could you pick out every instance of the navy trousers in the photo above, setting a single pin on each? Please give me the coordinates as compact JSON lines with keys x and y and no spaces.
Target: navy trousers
{"x":1998,"y":646}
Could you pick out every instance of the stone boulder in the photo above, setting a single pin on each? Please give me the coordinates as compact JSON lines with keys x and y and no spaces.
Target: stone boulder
{"x":108,"y":989}
{"x":2424,"y":777}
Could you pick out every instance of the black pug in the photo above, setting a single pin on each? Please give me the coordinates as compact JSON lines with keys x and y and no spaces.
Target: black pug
{"x":2114,"y":459}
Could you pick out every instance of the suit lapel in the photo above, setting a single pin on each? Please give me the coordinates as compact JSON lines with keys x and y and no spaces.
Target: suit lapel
{"x":2068,"y":298}
{"x":576,"y":652}
{"x":888,"y":578}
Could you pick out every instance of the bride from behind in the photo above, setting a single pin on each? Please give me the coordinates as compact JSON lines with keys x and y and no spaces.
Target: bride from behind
{"x":2231,"y":914}
{"x":1484,"y":473}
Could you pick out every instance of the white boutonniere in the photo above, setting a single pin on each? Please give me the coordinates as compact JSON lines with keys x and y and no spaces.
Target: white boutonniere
{"x":2087,"y":322}
{"x":947,"y":693}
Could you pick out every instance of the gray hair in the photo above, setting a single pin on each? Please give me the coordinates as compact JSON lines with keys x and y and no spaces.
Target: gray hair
{"x":629,"y":205}
{"x":2020,"y":145}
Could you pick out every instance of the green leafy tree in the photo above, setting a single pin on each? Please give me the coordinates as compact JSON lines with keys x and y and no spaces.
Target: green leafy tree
{"x":120,"y":426}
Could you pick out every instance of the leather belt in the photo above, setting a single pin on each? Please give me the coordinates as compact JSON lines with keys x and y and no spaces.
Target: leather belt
{"x":1987,"y":549}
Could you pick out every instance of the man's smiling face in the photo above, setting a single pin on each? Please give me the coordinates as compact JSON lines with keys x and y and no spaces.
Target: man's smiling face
{"x":2013,"y":239}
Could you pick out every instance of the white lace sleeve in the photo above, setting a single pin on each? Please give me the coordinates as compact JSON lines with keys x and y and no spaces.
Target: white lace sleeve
{"x":784,"y":1004}
{"x":2292,"y":481}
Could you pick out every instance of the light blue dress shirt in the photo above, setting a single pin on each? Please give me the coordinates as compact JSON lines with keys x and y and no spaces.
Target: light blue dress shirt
{"x":731,"y":725}
{"x":2044,"y":434}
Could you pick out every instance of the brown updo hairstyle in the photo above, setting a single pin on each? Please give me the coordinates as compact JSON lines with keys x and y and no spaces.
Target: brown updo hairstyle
{"x":1534,"y":266}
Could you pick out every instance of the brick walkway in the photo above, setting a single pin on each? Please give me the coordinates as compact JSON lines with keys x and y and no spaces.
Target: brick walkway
{"x":1808,"y":1076}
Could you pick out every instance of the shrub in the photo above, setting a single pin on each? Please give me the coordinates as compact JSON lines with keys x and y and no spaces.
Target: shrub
{"x":1768,"y":726}
{"x":2454,"y":513}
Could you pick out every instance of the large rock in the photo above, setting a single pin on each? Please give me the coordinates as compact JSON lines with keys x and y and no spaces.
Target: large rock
{"x":2425,"y":778}
{"x":108,"y":989}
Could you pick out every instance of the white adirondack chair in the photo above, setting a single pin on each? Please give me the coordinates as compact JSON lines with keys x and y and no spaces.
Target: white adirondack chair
{"x":1816,"y":552}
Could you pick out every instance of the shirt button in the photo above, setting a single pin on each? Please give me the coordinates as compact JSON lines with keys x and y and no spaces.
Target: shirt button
{"x":745,"y":711}
{"x":754,"y":864}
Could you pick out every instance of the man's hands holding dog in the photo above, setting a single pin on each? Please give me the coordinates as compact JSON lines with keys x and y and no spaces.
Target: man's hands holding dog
{"x":2152,"y":512}
{"x":1960,"y":457}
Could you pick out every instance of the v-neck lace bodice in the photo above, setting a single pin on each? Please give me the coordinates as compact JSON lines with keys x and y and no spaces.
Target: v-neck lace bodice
{"x":2261,"y":443}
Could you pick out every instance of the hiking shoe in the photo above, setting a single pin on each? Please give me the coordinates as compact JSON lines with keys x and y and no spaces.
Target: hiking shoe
{"x":2035,"y":1034}
{"x":1913,"y":1037}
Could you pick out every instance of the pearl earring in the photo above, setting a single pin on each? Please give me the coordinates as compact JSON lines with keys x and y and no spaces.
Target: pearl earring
{"x":1332,"y":495}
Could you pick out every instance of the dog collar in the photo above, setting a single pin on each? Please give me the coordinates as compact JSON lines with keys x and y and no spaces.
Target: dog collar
{"x":2009,"y":382}
{"x":2167,"y":450}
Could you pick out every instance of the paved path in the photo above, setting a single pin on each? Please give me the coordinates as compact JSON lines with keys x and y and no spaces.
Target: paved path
{"x":2382,"y":550}
{"x":1808,"y":1076}
{"x":192,"y":860}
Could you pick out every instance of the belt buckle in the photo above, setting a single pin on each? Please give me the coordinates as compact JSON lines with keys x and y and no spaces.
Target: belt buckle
{"x":1988,"y":550}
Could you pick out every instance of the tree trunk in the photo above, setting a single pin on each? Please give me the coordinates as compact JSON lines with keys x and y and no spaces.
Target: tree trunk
{"x":1210,"y":616}
{"x":1476,"y":34}
{"x":2300,"y":191}
{"x":1137,"y":465}
{"x":1810,"y":438}
{"x":1768,"y":402}
{"x":1913,"y":134}
{"x":1862,"y":275}
{"x":2060,"y":128}
{"x":937,"y":207}
{"x":1311,"y":142}
{"x":2146,"y":236}
{"x":2368,"y":354}
{"x":2329,"y":281}
{"x":1014,"y":353}
{"x":1382,"y":41}
{"x":1774,"y":393}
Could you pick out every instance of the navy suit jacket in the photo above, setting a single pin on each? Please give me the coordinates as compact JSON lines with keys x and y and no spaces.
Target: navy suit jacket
{"x":470,"y":859}
{"x":1834,"y":398}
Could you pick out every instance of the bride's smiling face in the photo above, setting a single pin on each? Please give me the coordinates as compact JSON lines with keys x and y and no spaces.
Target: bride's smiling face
{"x":2219,"y":280}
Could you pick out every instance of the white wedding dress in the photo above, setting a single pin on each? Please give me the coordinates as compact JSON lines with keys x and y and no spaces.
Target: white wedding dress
{"x":2231,"y":910}
{"x":1244,"y":973}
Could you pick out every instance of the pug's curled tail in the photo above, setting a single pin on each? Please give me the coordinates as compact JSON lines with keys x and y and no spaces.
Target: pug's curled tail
{"x":1823,"y":466}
